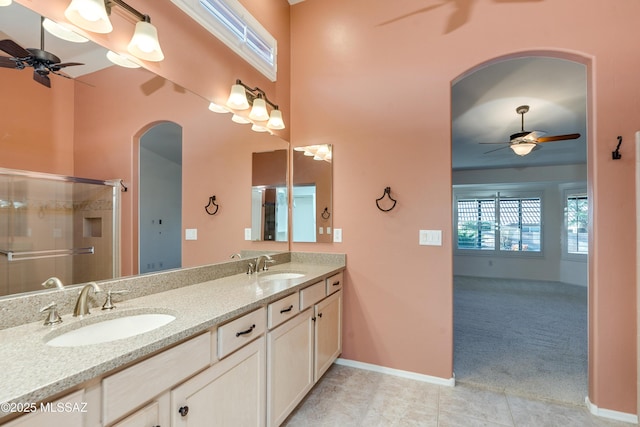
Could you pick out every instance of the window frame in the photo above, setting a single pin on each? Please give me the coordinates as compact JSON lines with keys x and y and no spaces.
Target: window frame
{"x":201,"y":14}
{"x":497,"y":196}
{"x":566,"y":194}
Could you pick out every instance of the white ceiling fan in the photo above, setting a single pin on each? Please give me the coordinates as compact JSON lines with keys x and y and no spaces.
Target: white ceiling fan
{"x":523,"y":142}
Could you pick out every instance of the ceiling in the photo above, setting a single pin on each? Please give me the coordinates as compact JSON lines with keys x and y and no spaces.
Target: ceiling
{"x":484,"y":110}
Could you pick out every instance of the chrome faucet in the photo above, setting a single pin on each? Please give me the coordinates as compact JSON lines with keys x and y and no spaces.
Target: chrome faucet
{"x":53,"y":281}
{"x":81,"y":305}
{"x":266,"y":259}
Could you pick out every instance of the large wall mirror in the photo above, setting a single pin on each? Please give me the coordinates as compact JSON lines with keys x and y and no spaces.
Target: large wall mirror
{"x":216,"y":157}
{"x":269,"y":196}
{"x":312,"y":198}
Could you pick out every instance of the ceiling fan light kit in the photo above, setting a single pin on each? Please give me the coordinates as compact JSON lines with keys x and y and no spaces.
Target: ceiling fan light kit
{"x":5,"y":2}
{"x":523,"y":142}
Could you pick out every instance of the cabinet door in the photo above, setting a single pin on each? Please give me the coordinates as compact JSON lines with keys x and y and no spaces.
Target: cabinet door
{"x":289,"y":366}
{"x":328,"y":340}
{"x":230,"y":393}
{"x":149,"y":416}
{"x":65,"y":412}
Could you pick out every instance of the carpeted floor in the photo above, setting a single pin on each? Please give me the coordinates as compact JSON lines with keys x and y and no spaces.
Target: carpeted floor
{"x":522,"y":337}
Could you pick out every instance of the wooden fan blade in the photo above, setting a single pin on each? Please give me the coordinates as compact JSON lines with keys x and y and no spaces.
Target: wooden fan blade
{"x":68,"y":64}
{"x":42,"y":79}
{"x":559,"y":137}
{"x":13,"y":49}
{"x":7,"y":63}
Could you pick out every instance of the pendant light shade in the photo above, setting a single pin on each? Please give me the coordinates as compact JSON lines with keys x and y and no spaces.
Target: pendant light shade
{"x":238,"y":98}
{"x":239,"y":119}
{"x":144,"y":44}
{"x":90,"y":15}
{"x":275,"y":120}
{"x":62,"y":32}
{"x":259,"y":110}
{"x":523,"y":148}
{"x":121,"y":60}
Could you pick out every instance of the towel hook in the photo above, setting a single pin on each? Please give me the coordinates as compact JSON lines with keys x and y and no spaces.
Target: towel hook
{"x":387,"y":192}
{"x":616,"y":154}
{"x":212,"y":202}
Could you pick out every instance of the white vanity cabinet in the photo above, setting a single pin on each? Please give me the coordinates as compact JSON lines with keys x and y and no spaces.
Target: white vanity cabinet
{"x":290,"y":358}
{"x":232,"y":391}
{"x":328,"y":333}
{"x":300,"y":350}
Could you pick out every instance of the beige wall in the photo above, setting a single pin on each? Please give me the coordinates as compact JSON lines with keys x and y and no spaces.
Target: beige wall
{"x":374,"y":79}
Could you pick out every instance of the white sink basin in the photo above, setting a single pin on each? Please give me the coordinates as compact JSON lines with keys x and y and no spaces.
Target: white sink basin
{"x":111,"y":330}
{"x":280,"y":276}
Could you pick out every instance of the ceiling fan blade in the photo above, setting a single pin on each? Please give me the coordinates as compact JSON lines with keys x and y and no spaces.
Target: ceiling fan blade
{"x":502,"y":142}
{"x":7,"y":63}
{"x":13,"y":49}
{"x":42,"y":79}
{"x":68,"y":64}
{"x":559,"y":137}
{"x":495,"y":149}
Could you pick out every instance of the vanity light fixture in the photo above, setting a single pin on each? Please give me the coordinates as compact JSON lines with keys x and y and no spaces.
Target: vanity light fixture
{"x":523,"y":148}
{"x":242,"y":97}
{"x":93,"y":15}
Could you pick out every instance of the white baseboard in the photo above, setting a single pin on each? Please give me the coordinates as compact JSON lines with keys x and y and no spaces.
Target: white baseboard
{"x":397,"y":372}
{"x":612,"y":415}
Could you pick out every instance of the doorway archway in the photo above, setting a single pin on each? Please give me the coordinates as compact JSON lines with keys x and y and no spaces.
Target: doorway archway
{"x":490,"y":174}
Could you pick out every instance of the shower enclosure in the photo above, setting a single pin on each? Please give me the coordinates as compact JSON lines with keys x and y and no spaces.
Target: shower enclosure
{"x":53,"y":225}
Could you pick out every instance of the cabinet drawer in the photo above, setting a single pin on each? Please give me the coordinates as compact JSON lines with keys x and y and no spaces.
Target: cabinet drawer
{"x":143,"y":381}
{"x":334,"y":283}
{"x":147,"y":416}
{"x":311,"y":295}
{"x":241,"y":331}
{"x":281,"y":310}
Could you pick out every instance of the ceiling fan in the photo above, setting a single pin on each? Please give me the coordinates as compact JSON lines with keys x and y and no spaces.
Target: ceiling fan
{"x":42,"y":62}
{"x":524,"y":141}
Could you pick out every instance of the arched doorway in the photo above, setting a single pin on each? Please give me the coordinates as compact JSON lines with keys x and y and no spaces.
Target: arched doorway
{"x":160,"y":198}
{"x":520,"y":289}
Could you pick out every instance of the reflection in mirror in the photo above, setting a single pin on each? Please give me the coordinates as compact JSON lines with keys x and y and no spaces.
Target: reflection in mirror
{"x":312,"y":208}
{"x":269,"y":200}
{"x":90,"y":127}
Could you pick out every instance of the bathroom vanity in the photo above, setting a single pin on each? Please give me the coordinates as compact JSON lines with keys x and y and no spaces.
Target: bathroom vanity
{"x":243,"y":350}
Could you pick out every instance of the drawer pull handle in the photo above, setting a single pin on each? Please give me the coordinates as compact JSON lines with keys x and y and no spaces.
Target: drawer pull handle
{"x":184,"y":410}
{"x":286,"y":310}
{"x":248,"y":331}
{"x":319,"y":314}
{"x":336,"y":283}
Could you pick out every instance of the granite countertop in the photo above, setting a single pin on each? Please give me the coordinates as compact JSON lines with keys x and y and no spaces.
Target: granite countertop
{"x":31,"y":371}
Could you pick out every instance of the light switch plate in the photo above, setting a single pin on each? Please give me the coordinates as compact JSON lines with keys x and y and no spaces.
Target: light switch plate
{"x":191,"y":234}
{"x":337,"y":235}
{"x":430,"y":238}
{"x":247,"y":234}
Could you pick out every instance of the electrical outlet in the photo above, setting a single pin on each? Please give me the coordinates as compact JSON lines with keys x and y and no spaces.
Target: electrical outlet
{"x":191,"y":234}
{"x":337,"y":235}
{"x":247,"y":234}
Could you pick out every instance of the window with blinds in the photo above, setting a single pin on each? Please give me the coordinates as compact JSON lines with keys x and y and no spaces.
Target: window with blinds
{"x":499,"y":223}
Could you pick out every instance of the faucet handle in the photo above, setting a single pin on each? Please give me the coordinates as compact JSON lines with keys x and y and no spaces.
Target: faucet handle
{"x":53,"y":317}
{"x":108,"y":305}
{"x":268,"y":261}
{"x":251,"y":267}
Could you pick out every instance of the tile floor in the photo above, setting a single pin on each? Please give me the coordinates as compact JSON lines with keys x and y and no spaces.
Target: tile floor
{"x":348,"y":397}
